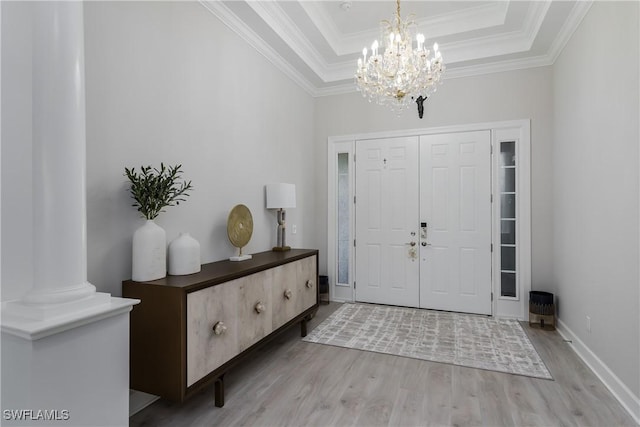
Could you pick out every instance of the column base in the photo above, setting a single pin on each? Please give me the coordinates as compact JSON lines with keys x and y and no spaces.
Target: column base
{"x":42,"y":311}
{"x":78,"y":372}
{"x":37,"y":321}
{"x":48,"y":296}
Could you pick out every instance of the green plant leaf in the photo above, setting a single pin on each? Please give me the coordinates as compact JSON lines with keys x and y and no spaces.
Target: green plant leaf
{"x":154,"y":189}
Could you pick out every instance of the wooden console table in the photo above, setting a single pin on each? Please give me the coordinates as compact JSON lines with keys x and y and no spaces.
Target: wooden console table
{"x":189,"y":330}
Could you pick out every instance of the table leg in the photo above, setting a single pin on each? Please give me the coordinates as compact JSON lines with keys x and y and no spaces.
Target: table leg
{"x":218,"y":387}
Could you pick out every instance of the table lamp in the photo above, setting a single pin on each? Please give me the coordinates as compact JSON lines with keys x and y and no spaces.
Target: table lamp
{"x":281,"y":196}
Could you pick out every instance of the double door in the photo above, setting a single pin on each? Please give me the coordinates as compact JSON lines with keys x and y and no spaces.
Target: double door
{"x":423,"y":221}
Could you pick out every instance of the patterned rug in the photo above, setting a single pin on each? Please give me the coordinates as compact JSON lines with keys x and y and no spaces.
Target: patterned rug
{"x":459,"y":339}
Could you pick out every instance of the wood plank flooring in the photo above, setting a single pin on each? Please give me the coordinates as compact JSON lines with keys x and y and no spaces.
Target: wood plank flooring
{"x":294,"y":383}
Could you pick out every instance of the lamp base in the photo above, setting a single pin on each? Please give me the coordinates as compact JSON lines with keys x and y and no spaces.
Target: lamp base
{"x":281,"y":248}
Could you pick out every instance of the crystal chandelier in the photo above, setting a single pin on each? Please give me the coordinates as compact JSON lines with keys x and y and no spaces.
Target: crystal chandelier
{"x":402,"y":73}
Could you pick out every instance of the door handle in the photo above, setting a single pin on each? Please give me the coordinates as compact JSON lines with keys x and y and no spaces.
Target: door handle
{"x":423,"y":234}
{"x":412,"y":252}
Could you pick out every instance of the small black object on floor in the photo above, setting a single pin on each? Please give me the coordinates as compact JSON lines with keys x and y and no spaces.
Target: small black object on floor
{"x":324,"y":289}
{"x":542,"y":310}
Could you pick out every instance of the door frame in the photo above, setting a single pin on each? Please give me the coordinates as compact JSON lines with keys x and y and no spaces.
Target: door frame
{"x":519,"y":130}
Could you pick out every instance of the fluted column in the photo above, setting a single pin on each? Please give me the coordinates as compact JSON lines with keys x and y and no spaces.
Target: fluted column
{"x":59,"y":155}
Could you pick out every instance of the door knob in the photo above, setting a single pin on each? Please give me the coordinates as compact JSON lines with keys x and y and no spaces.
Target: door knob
{"x":411,"y":243}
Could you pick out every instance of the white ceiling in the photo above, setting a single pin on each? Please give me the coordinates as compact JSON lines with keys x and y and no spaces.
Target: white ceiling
{"x":317,"y":43}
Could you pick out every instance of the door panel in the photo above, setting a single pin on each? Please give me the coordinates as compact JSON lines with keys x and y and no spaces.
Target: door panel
{"x":455,"y":189}
{"x":386,"y":214}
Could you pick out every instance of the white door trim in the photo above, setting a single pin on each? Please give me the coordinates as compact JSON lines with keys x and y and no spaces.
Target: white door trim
{"x":341,"y":292}
{"x":501,"y":308}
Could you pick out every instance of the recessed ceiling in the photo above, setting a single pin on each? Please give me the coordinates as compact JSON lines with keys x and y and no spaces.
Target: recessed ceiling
{"x":317,"y":43}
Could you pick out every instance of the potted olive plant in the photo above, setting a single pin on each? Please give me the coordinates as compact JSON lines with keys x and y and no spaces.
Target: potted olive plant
{"x":153,"y":190}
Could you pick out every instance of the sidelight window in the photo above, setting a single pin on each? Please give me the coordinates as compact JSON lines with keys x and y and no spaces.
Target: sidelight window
{"x":343,"y":217}
{"x":508,"y":219}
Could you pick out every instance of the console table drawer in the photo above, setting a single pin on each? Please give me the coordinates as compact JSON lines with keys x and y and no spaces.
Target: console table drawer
{"x":254,"y":308}
{"x":285,"y":294}
{"x":306,"y":273}
{"x":210,"y":308}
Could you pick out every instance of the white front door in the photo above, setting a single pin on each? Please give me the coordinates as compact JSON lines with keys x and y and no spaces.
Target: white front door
{"x":387,"y":264}
{"x":455,"y":212}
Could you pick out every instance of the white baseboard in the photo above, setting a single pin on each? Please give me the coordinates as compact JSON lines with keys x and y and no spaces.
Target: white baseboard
{"x":139,"y":400}
{"x":620,"y":391}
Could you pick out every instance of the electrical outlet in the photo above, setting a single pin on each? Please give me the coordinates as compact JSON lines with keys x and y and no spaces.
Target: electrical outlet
{"x":588,"y":324}
{"x":294,"y":229}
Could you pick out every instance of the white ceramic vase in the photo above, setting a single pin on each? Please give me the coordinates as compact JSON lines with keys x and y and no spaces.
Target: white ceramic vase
{"x":149,"y":252}
{"x":184,"y":255}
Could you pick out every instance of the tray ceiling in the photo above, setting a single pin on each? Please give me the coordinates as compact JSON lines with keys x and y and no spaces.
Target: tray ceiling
{"x":317,"y":43}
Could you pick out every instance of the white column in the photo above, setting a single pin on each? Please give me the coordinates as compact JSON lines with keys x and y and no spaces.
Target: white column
{"x":59,"y":155}
{"x":65,"y":347}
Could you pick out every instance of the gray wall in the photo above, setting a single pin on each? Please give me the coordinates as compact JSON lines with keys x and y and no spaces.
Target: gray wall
{"x":524,"y":94}
{"x":168,"y":82}
{"x":596,"y":190}
{"x":165,"y":82}
{"x":17,"y":205}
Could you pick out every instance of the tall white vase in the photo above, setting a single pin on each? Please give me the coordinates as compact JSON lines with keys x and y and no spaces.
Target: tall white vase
{"x":184,"y":255}
{"x":149,"y":252}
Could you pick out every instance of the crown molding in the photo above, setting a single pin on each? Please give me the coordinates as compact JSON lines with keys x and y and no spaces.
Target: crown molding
{"x":534,"y":19}
{"x":469,"y":19}
{"x":494,"y":45}
{"x":498,"y":67}
{"x":273,"y":15}
{"x":499,"y":44}
{"x":341,"y":74}
{"x":341,"y":89}
{"x":460,"y":72}
{"x":477,"y":48}
{"x":571,"y":24}
{"x":228,"y":18}
{"x":323,"y":23}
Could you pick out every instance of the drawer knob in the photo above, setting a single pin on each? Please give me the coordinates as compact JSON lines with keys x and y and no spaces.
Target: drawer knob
{"x":309,"y":284}
{"x":288,"y":294}
{"x":259,"y":308}
{"x":219,"y":328}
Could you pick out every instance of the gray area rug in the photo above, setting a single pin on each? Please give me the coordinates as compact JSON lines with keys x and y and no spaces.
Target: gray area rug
{"x":459,"y":339}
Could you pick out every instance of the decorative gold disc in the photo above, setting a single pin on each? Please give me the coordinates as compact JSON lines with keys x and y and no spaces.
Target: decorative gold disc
{"x":240,"y":226}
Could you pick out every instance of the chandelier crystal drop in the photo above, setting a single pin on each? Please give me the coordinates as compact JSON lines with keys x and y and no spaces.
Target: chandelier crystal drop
{"x":402,"y":73}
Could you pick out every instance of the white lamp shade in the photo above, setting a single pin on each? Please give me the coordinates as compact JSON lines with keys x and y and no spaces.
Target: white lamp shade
{"x":281,"y":196}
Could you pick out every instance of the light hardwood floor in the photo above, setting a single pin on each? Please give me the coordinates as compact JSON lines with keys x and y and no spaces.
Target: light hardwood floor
{"x":294,"y":383}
